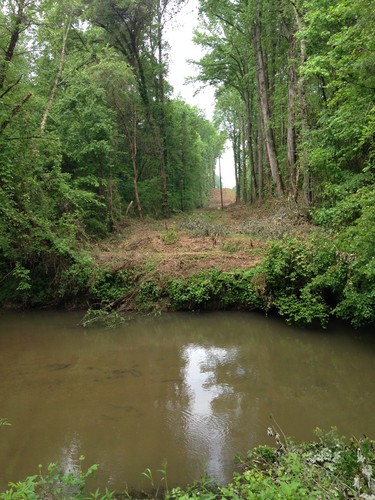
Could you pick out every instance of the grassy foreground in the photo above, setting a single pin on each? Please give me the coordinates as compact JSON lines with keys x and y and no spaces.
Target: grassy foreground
{"x":324,"y":469}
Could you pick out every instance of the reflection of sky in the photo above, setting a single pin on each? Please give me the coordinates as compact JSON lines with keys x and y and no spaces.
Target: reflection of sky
{"x":70,"y":454}
{"x":207,"y":418}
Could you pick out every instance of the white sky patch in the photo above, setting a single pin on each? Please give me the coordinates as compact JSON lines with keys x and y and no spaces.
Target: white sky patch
{"x":179,"y":34}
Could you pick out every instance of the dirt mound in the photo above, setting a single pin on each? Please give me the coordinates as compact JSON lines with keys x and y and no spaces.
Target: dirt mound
{"x":147,"y":246}
{"x":233,"y":238}
{"x":229,"y":197}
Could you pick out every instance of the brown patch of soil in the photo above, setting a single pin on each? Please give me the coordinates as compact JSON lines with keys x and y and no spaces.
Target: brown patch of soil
{"x":233,"y":238}
{"x":229,"y":197}
{"x":143,"y":246}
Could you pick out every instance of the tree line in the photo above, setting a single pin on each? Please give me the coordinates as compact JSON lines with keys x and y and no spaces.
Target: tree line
{"x":295,"y":86}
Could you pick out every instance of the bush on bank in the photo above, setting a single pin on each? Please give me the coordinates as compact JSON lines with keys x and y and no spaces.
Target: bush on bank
{"x":323,"y":469}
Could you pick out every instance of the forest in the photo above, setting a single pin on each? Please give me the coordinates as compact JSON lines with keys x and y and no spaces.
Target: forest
{"x":90,"y":134}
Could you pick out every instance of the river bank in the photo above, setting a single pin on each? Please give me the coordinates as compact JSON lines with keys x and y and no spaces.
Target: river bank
{"x":266,"y":257}
{"x":204,"y":260}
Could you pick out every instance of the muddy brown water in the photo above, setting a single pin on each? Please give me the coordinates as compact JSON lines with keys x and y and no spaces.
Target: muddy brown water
{"x":192,"y":390}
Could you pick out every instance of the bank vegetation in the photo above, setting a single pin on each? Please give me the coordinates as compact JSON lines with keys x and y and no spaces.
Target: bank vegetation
{"x":329,"y":467}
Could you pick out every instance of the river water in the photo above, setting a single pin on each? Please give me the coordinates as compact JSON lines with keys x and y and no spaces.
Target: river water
{"x":191,"y":390}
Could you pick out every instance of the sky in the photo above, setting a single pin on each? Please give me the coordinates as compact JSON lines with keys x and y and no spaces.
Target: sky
{"x":179,"y":34}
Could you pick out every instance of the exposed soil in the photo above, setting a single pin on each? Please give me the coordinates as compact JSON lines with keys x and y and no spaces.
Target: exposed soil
{"x":233,"y":238}
{"x":229,"y":197}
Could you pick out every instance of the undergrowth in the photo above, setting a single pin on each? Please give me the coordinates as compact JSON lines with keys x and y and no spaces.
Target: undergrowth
{"x":308,"y":278}
{"x":324,"y":469}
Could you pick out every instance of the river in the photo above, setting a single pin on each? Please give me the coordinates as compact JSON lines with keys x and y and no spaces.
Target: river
{"x":189,"y":389}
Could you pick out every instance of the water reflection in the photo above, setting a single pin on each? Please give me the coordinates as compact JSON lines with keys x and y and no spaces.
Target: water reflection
{"x":70,"y":455}
{"x":190,"y":389}
{"x":212,"y":406}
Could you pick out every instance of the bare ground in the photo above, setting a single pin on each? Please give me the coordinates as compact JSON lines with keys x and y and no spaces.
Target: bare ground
{"x":233,"y":238}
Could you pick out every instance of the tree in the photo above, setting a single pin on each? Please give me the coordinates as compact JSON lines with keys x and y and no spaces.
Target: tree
{"x":235,"y":59}
{"x":127,"y":25}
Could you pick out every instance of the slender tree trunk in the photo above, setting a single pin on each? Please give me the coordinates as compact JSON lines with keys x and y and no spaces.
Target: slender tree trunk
{"x":135,"y":172}
{"x":303,"y":154}
{"x":162,"y":127}
{"x":291,"y":129}
{"x":260,"y":157}
{"x":264,"y":104}
{"x":221,"y":185}
{"x":250,"y":149}
{"x":15,"y":112}
{"x":236,"y":172}
{"x":244,"y":162}
{"x":56,"y":82}
{"x":132,"y":142}
{"x":14,"y":37}
{"x":111,"y":211}
{"x":135,"y":180}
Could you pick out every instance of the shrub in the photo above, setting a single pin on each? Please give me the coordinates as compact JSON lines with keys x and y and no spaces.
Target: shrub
{"x":56,"y":483}
{"x":303,"y":280}
{"x":214,"y":288}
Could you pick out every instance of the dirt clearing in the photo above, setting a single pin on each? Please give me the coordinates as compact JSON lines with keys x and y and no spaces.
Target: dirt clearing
{"x":229,"y":239}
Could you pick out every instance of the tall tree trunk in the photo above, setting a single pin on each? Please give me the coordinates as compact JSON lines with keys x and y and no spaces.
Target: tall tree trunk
{"x":162,"y":127}
{"x":236,"y":169}
{"x":135,"y":179}
{"x":14,"y":36}
{"x":131,"y":135}
{"x":244,"y":162}
{"x":250,"y":149}
{"x":302,"y":152}
{"x":264,"y":104}
{"x":291,"y":129}
{"x":133,"y":149}
{"x":260,"y":157}
{"x":221,"y":185}
{"x":57,"y":80}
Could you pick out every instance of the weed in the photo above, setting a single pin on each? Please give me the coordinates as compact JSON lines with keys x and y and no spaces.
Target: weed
{"x":55,"y":483}
{"x":170,"y":237}
{"x":231,"y":246}
{"x":149,"y":266}
{"x":198,"y":227}
{"x":102,"y":318}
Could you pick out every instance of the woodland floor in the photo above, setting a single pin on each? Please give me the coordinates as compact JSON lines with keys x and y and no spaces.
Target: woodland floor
{"x":233,"y":238}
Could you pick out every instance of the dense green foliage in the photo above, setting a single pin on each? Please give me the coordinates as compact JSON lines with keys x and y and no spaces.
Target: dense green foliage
{"x":295,"y":86}
{"x":326,"y":469}
{"x":214,"y":290}
{"x":86,"y":128}
{"x":90,"y":135}
{"x":323,"y":469}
